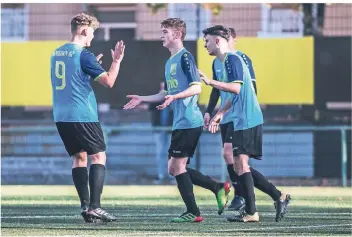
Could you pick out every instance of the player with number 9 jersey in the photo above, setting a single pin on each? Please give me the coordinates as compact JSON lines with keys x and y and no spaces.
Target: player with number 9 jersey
{"x":72,"y":67}
{"x":76,"y":114}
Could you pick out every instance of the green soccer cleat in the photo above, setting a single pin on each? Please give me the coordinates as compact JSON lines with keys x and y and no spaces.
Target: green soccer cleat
{"x":222,"y":196}
{"x":187,"y":217}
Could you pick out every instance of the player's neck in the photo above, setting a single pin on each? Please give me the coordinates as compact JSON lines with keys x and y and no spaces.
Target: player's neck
{"x":176,"y":48}
{"x":77,"y":40}
{"x":221,"y":55}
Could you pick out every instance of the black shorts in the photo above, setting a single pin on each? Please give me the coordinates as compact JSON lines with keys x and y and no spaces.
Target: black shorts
{"x":248,"y":142}
{"x":226,"y":130}
{"x":184,"y":142}
{"x":79,"y":137}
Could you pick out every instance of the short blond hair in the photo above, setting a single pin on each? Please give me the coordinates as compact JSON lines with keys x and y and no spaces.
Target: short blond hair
{"x":83,"y":19}
{"x":176,"y":24}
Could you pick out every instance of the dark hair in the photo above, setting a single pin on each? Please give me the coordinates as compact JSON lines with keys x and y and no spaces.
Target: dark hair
{"x":175,"y":23}
{"x":232,"y":32}
{"x":218,"y":30}
{"x":84,"y":19}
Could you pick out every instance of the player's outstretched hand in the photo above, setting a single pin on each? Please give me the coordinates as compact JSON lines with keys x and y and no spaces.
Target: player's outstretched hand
{"x":206,"y":120}
{"x":203,"y":77}
{"x":135,"y":100}
{"x":119,"y":52}
{"x":214,"y":123}
{"x":167,"y":102}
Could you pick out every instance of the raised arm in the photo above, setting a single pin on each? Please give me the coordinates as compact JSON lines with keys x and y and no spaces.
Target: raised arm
{"x":108,"y":78}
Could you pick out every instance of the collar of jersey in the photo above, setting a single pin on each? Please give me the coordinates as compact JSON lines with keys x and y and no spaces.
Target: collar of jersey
{"x":177,"y":52}
{"x":227,"y":54}
{"x":75,"y":44}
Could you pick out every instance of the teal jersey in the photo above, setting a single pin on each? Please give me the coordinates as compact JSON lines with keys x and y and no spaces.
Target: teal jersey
{"x":245,"y":106}
{"x":72,"y":68}
{"x":248,"y":62}
{"x":180,"y":73}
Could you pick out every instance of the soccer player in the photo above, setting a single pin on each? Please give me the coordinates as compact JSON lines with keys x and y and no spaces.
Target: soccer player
{"x":231,"y":74}
{"x":183,"y":86}
{"x":75,"y":111}
{"x":226,"y":126}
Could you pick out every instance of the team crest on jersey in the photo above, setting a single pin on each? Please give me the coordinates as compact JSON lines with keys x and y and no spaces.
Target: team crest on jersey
{"x":173,"y":69}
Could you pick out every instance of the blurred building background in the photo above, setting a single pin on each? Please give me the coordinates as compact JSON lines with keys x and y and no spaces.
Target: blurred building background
{"x":44,"y":21}
{"x":312,"y":86}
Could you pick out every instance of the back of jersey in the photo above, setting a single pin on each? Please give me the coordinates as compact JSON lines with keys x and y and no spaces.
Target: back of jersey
{"x":248,"y":62}
{"x":73,"y":96}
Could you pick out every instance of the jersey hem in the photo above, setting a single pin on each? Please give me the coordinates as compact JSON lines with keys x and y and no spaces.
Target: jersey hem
{"x":195,"y":83}
{"x":96,"y":78}
{"x":241,"y":82}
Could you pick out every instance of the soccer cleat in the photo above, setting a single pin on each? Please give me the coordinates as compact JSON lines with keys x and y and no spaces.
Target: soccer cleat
{"x":84,"y":214}
{"x":222,"y":196}
{"x":238,"y":204}
{"x":281,"y":206}
{"x":244,"y":218}
{"x":101,"y":214}
{"x":187,"y":217}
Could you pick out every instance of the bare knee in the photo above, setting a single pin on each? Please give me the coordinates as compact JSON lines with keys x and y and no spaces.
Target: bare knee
{"x":80,"y":160}
{"x":98,"y":158}
{"x":228,"y":153}
{"x":241,"y":164}
{"x":176,"y":166}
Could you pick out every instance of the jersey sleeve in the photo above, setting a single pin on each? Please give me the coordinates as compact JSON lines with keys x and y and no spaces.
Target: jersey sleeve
{"x":213,"y":100}
{"x":248,"y":62}
{"x":234,"y":69}
{"x":90,"y":65}
{"x":214,"y":74}
{"x":189,"y":68}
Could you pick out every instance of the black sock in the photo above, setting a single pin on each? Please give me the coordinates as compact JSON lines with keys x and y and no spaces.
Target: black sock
{"x":185,"y":186}
{"x":80,"y":179}
{"x":235,"y":179}
{"x":261,"y":183}
{"x":203,"y":181}
{"x":246,"y":181}
{"x":96,"y":183}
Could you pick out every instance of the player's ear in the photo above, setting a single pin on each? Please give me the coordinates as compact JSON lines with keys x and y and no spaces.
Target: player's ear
{"x":217,"y":41}
{"x":84,"y":31}
{"x":178,"y":34}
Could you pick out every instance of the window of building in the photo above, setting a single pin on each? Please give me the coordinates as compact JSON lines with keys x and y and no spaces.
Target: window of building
{"x":14,"y":22}
{"x":188,"y":12}
{"x":117,"y":21}
{"x":281,"y":20}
